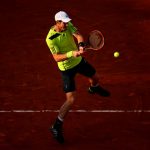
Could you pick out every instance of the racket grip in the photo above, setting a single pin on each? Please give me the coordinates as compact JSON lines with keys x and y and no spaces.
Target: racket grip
{"x":81,"y":44}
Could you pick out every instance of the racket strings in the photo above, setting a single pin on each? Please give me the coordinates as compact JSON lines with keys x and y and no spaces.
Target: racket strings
{"x":96,"y":40}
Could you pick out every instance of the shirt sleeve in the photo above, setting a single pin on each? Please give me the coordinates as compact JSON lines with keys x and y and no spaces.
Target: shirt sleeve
{"x":52,"y":46}
{"x":71,"y":27}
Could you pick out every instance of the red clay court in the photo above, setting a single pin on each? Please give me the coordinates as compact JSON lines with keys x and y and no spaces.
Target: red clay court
{"x":30,"y":83}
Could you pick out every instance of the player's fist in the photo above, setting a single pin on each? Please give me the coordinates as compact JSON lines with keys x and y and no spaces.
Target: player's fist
{"x":76,"y":53}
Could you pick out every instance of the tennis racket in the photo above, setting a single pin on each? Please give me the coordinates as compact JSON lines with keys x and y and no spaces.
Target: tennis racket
{"x":95,"y":40}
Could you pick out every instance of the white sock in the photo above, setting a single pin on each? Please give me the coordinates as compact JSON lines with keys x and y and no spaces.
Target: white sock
{"x":60,"y":119}
{"x":95,"y":85}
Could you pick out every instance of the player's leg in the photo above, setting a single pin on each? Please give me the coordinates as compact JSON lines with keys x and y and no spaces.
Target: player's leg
{"x":89,"y":71}
{"x":69,"y":89}
{"x":94,"y":80}
{"x":95,"y":86}
{"x":56,"y":129}
{"x":70,"y":97}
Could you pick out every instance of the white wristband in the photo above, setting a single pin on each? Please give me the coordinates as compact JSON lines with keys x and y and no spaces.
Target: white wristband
{"x":69,"y":54}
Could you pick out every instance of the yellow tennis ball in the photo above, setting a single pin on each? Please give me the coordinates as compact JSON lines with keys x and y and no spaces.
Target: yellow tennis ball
{"x":116,"y":54}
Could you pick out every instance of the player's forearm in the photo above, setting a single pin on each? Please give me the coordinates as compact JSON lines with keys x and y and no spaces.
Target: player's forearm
{"x":62,"y":57}
{"x":79,"y":37}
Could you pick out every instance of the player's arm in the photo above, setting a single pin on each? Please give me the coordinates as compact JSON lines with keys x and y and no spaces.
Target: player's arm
{"x":62,"y":57}
{"x":80,"y":40}
{"x":55,"y":51}
{"x":78,"y":36}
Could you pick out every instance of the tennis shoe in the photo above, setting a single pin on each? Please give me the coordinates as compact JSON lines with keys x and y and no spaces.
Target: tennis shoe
{"x":57,"y":134}
{"x":99,"y":90}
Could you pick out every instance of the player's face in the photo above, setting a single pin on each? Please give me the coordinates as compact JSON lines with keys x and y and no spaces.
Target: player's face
{"x":63,"y":26}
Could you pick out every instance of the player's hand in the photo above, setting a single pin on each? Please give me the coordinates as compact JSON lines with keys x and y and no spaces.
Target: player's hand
{"x":76,"y":53}
{"x":81,"y":47}
{"x":81,"y":50}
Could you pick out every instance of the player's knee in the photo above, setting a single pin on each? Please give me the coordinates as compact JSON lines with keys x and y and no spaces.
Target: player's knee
{"x":71,"y":98}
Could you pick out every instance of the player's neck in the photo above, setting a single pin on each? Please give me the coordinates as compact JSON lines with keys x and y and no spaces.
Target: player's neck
{"x":56,"y":28}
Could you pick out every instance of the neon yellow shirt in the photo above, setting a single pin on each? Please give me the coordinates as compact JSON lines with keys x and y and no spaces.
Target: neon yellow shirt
{"x":61,"y":43}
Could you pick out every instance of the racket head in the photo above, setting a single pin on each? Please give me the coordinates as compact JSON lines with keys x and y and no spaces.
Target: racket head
{"x":95,"y":40}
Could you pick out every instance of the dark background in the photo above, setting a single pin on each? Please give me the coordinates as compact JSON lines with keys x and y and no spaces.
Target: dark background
{"x":30,"y":80}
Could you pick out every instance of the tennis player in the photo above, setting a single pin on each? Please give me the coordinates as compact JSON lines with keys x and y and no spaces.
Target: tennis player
{"x":68,"y":56}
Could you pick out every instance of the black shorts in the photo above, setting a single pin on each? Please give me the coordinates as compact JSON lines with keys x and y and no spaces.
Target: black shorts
{"x":68,"y":76}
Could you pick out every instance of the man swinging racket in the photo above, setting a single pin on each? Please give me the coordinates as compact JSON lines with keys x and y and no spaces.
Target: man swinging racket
{"x":68,"y":56}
